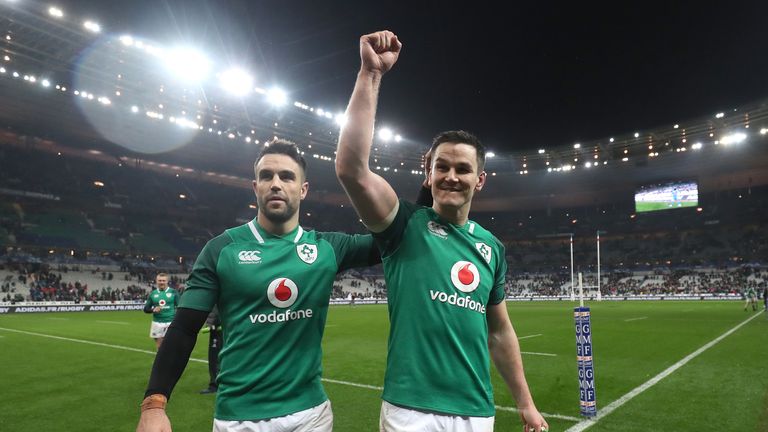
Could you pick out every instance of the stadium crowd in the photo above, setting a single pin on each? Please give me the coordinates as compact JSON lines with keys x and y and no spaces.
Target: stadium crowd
{"x":55,"y":221}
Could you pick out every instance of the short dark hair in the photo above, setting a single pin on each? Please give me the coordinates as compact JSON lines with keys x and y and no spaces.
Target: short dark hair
{"x":283,"y":147}
{"x":461,"y":137}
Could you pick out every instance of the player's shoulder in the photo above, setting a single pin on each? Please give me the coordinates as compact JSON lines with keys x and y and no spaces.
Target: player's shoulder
{"x":333,"y":238}
{"x":482,"y":233}
{"x":413,"y":208}
{"x":238,"y":234}
{"x":330,"y":235}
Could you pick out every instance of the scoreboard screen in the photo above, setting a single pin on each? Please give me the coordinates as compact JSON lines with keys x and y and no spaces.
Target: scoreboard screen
{"x":667,"y":196}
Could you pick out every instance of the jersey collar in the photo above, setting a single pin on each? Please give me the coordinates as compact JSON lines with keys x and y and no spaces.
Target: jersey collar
{"x":468,"y":227}
{"x":256,"y":230}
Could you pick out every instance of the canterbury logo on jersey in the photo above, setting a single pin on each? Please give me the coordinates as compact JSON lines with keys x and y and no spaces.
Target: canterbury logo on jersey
{"x":249,"y":257}
{"x":437,"y":230}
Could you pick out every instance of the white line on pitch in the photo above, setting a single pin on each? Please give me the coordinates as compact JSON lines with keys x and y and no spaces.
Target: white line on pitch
{"x":528,"y":337}
{"x":635,"y":319}
{"x":585,"y":424}
{"x":58,"y":319}
{"x":352,"y":384}
{"x":538,"y":354}
{"x":333,"y":381}
{"x":81,"y":341}
{"x":546,"y":415}
{"x":114,"y":322}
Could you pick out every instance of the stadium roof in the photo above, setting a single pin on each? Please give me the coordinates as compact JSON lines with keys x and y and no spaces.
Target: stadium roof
{"x":538,"y":75}
{"x":88,"y":72}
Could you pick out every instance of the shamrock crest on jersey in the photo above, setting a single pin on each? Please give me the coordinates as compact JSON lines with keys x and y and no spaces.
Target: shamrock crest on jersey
{"x":307,"y":252}
{"x":484,"y":250}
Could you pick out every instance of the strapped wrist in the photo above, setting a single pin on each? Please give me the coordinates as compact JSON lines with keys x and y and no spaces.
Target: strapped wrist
{"x":155,"y":401}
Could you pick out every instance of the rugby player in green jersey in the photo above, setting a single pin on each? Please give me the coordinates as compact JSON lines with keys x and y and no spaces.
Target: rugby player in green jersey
{"x":161,"y":303}
{"x":272,"y":282}
{"x":751,"y":298}
{"x":444,"y":273}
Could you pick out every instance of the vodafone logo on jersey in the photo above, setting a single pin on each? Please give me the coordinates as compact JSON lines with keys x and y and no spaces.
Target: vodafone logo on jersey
{"x":465,"y":276}
{"x":161,"y":302}
{"x":282,"y":292}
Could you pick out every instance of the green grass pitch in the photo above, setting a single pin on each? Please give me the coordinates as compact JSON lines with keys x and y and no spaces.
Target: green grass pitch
{"x":60,"y":383}
{"x":660,"y":205}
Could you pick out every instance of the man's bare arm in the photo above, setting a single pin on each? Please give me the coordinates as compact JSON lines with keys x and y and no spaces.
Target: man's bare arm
{"x":373,"y":197}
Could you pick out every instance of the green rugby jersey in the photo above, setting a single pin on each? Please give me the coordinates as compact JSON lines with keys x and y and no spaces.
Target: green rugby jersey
{"x":272,"y":293}
{"x":167,"y":299}
{"x":440,"y":280}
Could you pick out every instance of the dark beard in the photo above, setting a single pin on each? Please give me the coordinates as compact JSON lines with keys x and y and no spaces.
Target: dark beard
{"x":277,"y":218}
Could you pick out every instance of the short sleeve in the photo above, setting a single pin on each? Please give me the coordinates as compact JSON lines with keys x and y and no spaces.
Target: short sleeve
{"x":498,"y":292}
{"x":352,"y":250}
{"x":389,"y":240}
{"x":202,"y":290}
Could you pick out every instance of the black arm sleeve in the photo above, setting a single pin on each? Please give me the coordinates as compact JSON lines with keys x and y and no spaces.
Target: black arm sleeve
{"x":175,"y":350}
{"x":374,"y":256}
{"x":425,"y":197}
{"x":148,"y":309}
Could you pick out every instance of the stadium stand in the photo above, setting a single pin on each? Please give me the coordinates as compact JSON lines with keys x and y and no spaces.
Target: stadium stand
{"x":62,"y":209}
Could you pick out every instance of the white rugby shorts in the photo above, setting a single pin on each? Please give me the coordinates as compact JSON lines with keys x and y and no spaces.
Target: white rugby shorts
{"x":158,"y":329}
{"x":315,"y":419}
{"x":395,"y":418}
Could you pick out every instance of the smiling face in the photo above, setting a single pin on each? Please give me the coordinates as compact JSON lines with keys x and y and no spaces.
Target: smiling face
{"x":279,"y":187}
{"x":162,"y":282}
{"x":454,"y":175}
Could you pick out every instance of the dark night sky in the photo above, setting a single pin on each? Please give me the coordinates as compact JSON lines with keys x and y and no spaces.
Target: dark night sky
{"x":536,"y":75}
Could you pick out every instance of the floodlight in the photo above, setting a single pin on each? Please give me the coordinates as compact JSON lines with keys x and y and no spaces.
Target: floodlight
{"x":187,"y":64}
{"x":733,"y":138}
{"x":127,"y":40}
{"x":92,"y":27}
{"x":490,"y":154}
{"x":55,"y":12}
{"x":277,"y":97}
{"x":340,"y":119}
{"x":385,"y":134}
{"x":236,"y":81}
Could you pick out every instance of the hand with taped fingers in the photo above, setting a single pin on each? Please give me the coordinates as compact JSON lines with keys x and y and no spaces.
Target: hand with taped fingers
{"x":379,"y":51}
{"x":533,"y":420}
